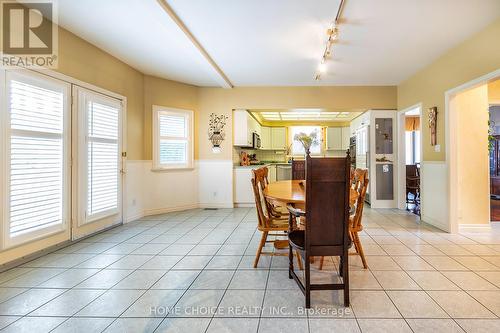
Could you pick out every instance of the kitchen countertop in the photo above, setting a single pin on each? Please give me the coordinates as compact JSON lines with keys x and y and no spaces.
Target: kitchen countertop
{"x":255,"y":166}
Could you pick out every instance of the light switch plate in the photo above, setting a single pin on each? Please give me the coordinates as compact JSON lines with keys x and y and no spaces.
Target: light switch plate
{"x":437,"y":148}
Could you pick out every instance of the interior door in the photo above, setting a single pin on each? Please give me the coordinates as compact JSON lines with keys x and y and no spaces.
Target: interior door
{"x":98,"y":173}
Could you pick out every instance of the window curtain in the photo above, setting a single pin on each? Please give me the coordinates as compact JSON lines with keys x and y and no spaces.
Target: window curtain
{"x":412,"y":124}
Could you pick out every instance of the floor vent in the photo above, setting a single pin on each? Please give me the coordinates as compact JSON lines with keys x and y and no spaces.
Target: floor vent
{"x":211,"y":208}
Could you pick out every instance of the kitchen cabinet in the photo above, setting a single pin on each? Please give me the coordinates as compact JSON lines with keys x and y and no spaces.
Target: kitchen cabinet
{"x":244,"y":125}
{"x":337,"y":138}
{"x":265,"y":137}
{"x":278,"y":138}
{"x":272,"y":173}
{"x":346,"y":137}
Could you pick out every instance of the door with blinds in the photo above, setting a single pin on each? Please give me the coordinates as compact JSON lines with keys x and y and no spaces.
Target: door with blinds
{"x":36,"y":163}
{"x":97,"y":147}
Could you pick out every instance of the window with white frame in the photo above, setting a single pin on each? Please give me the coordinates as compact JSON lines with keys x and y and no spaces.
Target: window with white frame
{"x":297,"y":147}
{"x":172,"y":138}
{"x":37,"y":157}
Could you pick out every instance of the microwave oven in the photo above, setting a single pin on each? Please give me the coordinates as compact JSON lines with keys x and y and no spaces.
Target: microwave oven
{"x":256,"y":141}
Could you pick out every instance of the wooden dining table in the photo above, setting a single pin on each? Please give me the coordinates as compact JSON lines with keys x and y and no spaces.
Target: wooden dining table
{"x":293,"y":192}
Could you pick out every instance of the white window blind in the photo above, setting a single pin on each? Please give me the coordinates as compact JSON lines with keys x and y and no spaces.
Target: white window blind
{"x":102,"y":158}
{"x":173,"y":139}
{"x":37,"y":152}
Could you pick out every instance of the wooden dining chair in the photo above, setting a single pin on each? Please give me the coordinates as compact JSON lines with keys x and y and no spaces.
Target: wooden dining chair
{"x":327,"y":215}
{"x":359,"y":180}
{"x":268,"y":224}
{"x":298,"y":169}
{"x":355,"y":226}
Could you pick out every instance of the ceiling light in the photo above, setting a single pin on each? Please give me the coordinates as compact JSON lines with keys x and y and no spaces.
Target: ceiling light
{"x":333,"y":35}
{"x":322,"y":68}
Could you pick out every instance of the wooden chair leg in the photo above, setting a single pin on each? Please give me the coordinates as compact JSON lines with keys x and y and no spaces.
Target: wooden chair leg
{"x":290,"y":262}
{"x":356,"y":247}
{"x":259,"y":249}
{"x":360,"y":250}
{"x":308,"y":282}
{"x":345,"y":278}
{"x":321,"y":260}
{"x":299,"y":260}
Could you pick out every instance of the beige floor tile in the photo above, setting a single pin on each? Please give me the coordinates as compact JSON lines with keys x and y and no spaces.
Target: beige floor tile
{"x":453,"y":250}
{"x":363,"y":280}
{"x":425,"y":250}
{"x":372,"y":304}
{"x":395,"y":280}
{"x":416,"y":304}
{"x":480,"y":325}
{"x":413,"y":263}
{"x":481,"y":250}
{"x":493,"y":277}
{"x":469,"y":281}
{"x":373,"y":250}
{"x":476,"y":263}
{"x":458,"y":304}
{"x":383,"y":325}
{"x":382,"y":263}
{"x":386,"y":240}
{"x":495,"y":260}
{"x":432,"y":280}
{"x":434,"y":325}
{"x":488,"y":298}
{"x":444,"y":263}
{"x":397,"y":250}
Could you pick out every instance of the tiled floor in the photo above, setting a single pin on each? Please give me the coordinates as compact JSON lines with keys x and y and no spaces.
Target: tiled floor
{"x":192,"y":272}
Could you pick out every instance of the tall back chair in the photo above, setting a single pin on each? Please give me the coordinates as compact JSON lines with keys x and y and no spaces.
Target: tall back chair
{"x":268,"y":224}
{"x":298,"y":169}
{"x":327,"y":219}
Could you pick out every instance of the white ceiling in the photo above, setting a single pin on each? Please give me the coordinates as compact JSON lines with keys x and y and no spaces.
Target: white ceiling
{"x":278,"y":42}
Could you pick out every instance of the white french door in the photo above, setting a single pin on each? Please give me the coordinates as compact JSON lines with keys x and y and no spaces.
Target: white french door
{"x":97,"y":147}
{"x":36,"y":157}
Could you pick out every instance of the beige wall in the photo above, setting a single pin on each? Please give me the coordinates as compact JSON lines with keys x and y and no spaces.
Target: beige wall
{"x":223,"y":101}
{"x":470,"y":114}
{"x":170,"y":94}
{"x":473,"y":58}
{"x":83,"y":61}
{"x":494,"y":92}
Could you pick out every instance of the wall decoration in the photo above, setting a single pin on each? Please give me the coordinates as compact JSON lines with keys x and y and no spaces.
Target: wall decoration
{"x":432,"y":124}
{"x":216,"y":132}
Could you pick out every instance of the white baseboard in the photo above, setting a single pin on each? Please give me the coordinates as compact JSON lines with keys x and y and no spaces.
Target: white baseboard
{"x":474,"y":227}
{"x":434,"y":222}
{"x":134,"y":217}
{"x":157,"y":211}
{"x":244,"y":205}
{"x":216,"y":205}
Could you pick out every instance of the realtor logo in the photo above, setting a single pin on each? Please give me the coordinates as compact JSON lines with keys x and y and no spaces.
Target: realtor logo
{"x":29,"y":33}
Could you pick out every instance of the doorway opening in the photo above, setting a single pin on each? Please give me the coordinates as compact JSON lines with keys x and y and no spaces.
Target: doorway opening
{"x":472,"y":153}
{"x":410,"y":152}
{"x":494,"y":151}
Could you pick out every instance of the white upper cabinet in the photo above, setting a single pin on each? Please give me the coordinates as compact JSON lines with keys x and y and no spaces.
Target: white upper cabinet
{"x":278,"y":138}
{"x":265,"y":137}
{"x":346,"y":137}
{"x":337,"y":138}
{"x":244,"y":125}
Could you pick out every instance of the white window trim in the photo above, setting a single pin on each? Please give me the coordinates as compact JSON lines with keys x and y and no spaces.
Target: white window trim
{"x":156,"y":139}
{"x":9,"y":242}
